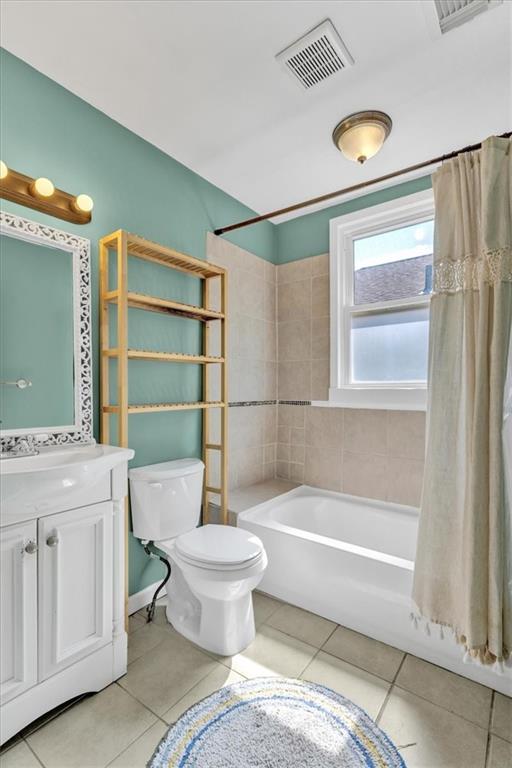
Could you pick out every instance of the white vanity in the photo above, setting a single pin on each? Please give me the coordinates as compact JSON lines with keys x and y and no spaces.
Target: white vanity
{"x":62,"y":540}
{"x":62,"y":512}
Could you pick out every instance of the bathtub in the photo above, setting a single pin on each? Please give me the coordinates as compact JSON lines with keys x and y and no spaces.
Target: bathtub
{"x":351,"y":560}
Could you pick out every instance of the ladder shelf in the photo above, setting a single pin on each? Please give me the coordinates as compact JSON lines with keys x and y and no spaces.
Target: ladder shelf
{"x":121,"y":245}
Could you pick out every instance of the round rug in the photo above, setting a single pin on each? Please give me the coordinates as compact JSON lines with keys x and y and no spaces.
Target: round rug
{"x":275,"y":723}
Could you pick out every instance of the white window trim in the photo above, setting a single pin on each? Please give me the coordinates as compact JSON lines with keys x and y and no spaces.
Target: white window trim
{"x":380,"y":218}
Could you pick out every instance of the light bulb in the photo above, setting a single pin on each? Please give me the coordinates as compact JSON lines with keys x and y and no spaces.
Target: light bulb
{"x":42,"y":187}
{"x":84,"y":203}
{"x":3,"y":170}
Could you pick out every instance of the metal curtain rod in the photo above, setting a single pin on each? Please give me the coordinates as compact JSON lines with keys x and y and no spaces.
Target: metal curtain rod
{"x":353,"y":188}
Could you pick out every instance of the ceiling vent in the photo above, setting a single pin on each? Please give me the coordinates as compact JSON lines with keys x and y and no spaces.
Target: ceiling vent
{"x":453,"y":13}
{"x":316,"y":56}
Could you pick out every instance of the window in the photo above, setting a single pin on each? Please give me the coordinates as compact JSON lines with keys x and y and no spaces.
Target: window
{"x":381,"y":281}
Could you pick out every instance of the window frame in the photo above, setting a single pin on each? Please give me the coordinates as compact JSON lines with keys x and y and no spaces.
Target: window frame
{"x":344,"y":230}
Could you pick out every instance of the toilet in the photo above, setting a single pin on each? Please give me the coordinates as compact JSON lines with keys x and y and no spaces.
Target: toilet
{"x":214,"y":568}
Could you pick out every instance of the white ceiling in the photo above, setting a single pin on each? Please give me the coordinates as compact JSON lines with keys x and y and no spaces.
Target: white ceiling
{"x":199,"y":80}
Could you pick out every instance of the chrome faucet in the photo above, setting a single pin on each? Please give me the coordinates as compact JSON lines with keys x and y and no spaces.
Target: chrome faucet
{"x":26,"y":446}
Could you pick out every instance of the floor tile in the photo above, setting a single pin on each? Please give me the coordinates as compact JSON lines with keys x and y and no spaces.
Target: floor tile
{"x":164,"y":674}
{"x":9,"y":744}
{"x":217,"y":678}
{"x":92,"y":733}
{"x":301,"y":624}
{"x":446,"y":689}
{"x":375,"y":657}
{"x":143,"y":640}
{"x":364,"y":689}
{"x":19,"y":756}
{"x":501,"y":721}
{"x":431,"y":737}
{"x":264,"y":607}
{"x":500,"y":753}
{"x":272,"y":653}
{"x":138,"y":753}
{"x":159,"y":617}
{"x":135,"y":621}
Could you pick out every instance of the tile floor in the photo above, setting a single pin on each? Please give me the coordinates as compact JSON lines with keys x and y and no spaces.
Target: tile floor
{"x":436,"y":718}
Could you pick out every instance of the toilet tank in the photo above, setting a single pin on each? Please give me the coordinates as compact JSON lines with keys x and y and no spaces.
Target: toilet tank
{"x":166,"y":498}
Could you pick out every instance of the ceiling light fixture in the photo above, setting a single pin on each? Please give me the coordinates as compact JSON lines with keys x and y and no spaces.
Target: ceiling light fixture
{"x":361,"y":135}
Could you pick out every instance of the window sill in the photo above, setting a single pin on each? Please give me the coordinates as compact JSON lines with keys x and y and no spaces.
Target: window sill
{"x":388,"y":399}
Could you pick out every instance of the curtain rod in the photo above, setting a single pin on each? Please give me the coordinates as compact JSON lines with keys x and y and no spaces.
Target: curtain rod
{"x":353,"y":188}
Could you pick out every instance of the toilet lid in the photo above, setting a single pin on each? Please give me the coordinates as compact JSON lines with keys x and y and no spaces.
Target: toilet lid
{"x":219,"y":545}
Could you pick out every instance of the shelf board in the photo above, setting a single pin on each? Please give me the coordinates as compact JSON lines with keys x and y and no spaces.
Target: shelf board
{"x":154,"y":407}
{"x":166,"y":306}
{"x":169,"y":357}
{"x":161,"y":254}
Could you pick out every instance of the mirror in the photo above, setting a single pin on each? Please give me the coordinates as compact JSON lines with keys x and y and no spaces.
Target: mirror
{"x":45,"y":345}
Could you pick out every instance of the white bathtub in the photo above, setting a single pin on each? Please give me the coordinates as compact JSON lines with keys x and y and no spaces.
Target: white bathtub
{"x":351,"y":560}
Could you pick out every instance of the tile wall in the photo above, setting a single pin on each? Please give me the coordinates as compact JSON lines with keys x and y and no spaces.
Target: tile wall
{"x":252,"y":361}
{"x":372,"y":453}
{"x":278,"y":348}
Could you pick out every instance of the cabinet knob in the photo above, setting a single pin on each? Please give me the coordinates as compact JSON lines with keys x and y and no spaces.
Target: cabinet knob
{"x":52,"y":541}
{"x":31,"y":547}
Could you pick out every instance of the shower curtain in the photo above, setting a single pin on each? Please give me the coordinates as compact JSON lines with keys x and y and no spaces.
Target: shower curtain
{"x":462,"y":576}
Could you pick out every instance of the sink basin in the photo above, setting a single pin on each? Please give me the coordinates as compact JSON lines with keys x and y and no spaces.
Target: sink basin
{"x":34,"y":484}
{"x":51,"y":458}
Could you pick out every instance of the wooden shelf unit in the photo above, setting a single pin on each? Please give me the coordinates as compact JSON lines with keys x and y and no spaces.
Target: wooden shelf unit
{"x":123,"y":244}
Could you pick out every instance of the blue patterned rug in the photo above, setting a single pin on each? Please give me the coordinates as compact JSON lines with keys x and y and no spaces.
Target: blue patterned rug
{"x":275,"y":723}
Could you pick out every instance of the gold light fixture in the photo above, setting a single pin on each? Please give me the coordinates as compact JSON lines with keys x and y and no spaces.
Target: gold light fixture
{"x":42,"y":195}
{"x":361,"y":135}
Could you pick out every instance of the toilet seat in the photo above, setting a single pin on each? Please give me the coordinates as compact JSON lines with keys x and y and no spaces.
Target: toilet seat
{"x":219,"y":547}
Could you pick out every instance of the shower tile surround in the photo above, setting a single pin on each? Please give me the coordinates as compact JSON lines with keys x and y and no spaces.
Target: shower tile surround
{"x":278,"y":350}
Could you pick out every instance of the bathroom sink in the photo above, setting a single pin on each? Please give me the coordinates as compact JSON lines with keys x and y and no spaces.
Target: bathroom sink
{"x":57,"y":474}
{"x":51,"y":459}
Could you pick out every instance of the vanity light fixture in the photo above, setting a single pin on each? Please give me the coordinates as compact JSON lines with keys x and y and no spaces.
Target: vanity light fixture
{"x":361,"y":135}
{"x":41,"y":195}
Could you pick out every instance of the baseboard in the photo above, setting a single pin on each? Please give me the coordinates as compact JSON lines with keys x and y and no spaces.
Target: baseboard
{"x":141,"y":599}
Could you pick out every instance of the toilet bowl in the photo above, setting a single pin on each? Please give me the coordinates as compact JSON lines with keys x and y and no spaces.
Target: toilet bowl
{"x":209,"y":597}
{"x":214,"y":568}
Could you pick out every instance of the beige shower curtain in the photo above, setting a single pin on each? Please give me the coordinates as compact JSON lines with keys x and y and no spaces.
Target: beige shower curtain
{"x":462,"y":572}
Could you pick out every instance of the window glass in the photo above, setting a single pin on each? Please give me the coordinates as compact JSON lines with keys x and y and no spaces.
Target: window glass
{"x":390,"y":346}
{"x":394,"y":265}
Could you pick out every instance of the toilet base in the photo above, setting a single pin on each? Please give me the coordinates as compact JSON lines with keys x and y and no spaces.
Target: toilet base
{"x":222,"y":625}
{"x":224,"y":629}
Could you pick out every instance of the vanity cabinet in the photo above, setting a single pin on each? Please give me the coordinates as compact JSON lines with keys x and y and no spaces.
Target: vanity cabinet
{"x":62,"y":580}
{"x":75,"y":585}
{"x":18,"y":609}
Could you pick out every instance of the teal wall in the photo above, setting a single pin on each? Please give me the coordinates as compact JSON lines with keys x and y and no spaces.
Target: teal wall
{"x":309,"y":235}
{"x":47,"y":131}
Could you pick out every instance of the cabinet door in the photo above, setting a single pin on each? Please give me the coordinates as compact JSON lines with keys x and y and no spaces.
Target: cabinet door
{"x":75,"y":585}
{"x":18,"y":609}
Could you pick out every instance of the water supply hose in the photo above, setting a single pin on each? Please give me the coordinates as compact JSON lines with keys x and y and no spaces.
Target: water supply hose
{"x":150,"y":609}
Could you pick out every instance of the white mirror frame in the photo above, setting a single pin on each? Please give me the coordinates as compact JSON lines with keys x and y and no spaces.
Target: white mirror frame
{"x":79,"y":248}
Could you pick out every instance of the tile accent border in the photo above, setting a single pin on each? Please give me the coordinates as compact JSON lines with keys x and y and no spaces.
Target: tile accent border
{"x":245,"y":403}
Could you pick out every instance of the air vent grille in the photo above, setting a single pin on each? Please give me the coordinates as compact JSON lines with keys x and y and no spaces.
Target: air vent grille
{"x":452,"y":13}
{"x":316,"y":56}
